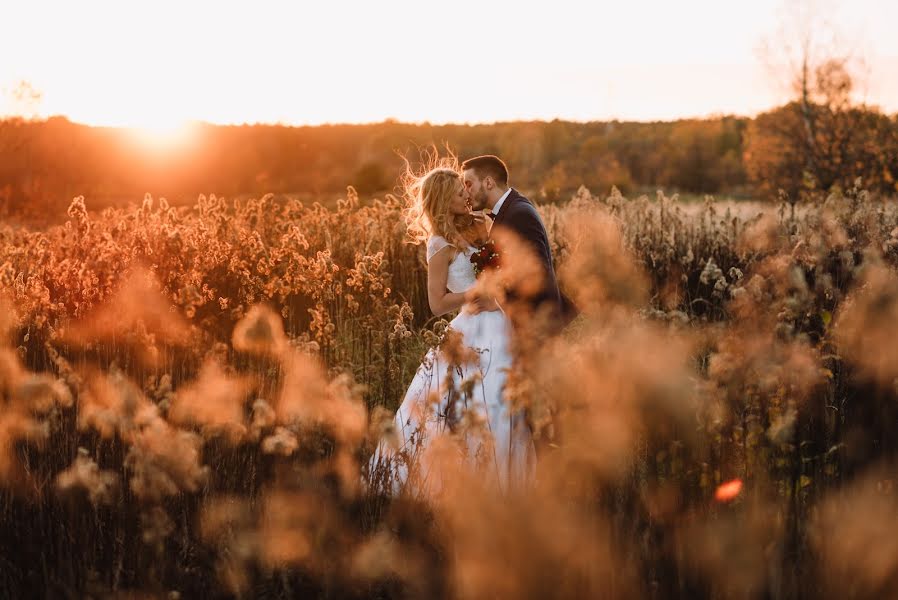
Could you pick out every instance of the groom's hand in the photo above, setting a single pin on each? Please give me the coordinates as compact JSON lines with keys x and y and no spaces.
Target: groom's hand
{"x":472,"y":301}
{"x":478,"y":303}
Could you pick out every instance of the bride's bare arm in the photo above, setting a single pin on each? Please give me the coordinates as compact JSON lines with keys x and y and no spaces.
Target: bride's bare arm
{"x":441,"y":300}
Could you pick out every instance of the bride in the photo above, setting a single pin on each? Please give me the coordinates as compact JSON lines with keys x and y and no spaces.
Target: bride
{"x":455,"y":400}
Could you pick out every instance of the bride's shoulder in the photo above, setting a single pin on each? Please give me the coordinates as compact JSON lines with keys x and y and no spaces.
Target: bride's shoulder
{"x":435,"y":243}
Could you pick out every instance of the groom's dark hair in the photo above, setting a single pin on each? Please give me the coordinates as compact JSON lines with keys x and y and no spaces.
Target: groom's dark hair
{"x":488,"y":166}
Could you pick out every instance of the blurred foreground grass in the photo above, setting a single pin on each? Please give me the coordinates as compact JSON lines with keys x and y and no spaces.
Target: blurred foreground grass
{"x":191,"y":394}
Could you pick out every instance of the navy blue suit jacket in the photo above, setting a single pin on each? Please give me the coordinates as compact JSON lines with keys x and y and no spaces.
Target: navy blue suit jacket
{"x":519,"y":215}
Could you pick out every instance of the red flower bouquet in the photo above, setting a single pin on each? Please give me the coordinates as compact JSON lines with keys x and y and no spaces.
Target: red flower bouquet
{"x":486,"y":257}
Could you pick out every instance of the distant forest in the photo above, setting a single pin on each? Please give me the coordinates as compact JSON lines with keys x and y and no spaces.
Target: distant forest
{"x":43,"y":164}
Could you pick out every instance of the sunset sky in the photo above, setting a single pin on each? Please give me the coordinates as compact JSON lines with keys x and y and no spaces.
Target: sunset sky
{"x":158,"y":64}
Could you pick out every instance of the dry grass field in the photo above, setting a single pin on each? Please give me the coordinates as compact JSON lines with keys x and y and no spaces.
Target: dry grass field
{"x":191,"y":395}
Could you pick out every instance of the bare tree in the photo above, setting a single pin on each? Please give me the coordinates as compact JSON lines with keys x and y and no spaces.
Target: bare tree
{"x":24,"y":99}
{"x":824,"y":73}
{"x":810,"y":36}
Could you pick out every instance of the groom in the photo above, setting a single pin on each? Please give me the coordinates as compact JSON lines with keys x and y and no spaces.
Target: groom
{"x":486,"y":180}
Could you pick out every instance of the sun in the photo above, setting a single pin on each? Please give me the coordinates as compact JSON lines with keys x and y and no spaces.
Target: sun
{"x":161,"y":132}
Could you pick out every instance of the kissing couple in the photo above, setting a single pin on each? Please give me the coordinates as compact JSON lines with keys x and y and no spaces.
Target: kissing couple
{"x":488,"y":257}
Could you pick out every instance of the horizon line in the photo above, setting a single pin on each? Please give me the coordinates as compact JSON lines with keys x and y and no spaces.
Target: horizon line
{"x":397,"y":121}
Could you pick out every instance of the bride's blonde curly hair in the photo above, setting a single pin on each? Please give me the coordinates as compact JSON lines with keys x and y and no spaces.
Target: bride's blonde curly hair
{"x":428,"y":193}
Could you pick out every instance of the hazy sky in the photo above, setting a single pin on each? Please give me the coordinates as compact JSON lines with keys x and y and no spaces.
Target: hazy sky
{"x":158,"y":63}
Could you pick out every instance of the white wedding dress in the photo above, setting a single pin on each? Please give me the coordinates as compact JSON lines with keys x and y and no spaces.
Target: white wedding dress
{"x":439,"y":402}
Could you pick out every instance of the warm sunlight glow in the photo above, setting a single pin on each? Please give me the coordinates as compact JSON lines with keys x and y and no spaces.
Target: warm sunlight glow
{"x":161,"y":134}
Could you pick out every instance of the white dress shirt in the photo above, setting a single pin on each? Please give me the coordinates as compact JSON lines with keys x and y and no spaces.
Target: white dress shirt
{"x":498,"y":205}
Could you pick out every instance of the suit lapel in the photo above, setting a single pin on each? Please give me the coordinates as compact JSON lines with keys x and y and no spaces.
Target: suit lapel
{"x":512,"y":197}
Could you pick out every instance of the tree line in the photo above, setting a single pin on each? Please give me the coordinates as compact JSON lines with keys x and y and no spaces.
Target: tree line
{"x":795,"y":149}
